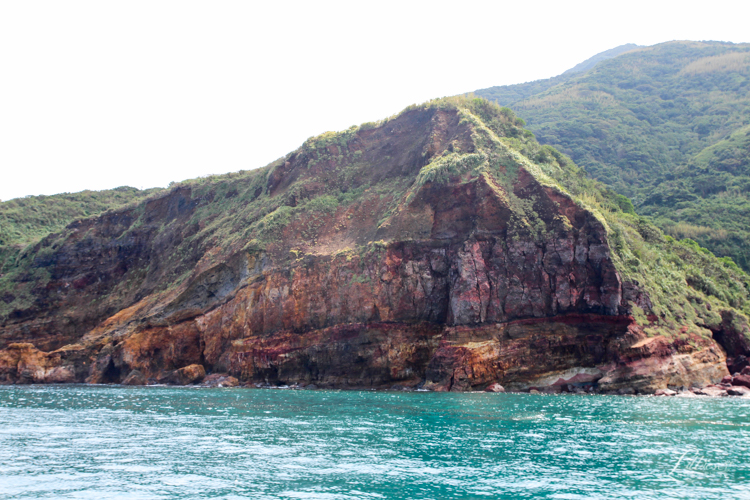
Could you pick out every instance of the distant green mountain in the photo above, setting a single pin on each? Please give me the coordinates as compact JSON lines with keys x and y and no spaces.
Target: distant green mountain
{"x":601,"y":56}
{"x":665,"y":125}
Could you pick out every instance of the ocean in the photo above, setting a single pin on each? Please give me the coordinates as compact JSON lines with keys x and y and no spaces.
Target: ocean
{"x":105,"y":442}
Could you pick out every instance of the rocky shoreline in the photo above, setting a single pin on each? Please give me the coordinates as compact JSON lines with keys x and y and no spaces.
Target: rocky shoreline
{"x":737,"y":385}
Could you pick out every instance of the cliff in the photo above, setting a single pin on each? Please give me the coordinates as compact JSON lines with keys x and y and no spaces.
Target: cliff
{"x":442,"y":248}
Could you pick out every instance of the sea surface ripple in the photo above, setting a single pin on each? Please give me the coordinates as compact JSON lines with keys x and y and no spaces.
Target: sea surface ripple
{"x":105,"y":442}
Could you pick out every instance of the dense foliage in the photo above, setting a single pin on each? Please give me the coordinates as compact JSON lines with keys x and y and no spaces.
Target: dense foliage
{"x":666,"y":126}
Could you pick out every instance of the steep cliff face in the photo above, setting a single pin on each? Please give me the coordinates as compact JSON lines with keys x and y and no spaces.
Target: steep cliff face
{"x":421,"y":251}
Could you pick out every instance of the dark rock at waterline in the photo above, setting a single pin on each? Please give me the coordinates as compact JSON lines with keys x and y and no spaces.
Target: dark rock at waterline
{"x":738,"y":391}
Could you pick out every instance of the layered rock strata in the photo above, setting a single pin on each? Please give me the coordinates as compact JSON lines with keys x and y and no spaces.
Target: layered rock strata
{"x":482,"y":273}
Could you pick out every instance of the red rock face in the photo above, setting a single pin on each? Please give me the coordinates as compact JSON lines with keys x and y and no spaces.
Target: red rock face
{"x":465,"y":283}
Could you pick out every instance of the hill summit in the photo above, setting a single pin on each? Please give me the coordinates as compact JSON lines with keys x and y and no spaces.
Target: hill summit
{"x":441,"y":248}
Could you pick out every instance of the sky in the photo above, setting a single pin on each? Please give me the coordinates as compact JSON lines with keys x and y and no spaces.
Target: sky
{"x":100,"y":94}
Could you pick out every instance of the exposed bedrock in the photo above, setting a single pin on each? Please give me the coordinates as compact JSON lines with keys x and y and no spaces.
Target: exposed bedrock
{"x":455,"y":317}
{"x":484,"y":276}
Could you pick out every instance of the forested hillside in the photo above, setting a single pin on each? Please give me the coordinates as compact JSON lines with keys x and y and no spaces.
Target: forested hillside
{"x":666,"y":125}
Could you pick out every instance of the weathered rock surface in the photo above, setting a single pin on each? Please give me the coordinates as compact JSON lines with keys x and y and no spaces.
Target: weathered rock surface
{"x":22,"y":363}
{"x":479,"y":278}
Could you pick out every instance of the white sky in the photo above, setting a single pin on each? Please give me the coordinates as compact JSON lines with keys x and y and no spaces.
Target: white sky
{"x":99,"y":94}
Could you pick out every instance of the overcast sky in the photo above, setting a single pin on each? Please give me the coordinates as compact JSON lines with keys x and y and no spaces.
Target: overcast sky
{"x":99,"y":94}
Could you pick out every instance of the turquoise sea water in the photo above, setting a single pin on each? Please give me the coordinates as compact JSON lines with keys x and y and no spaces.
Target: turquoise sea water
{"x":162,"y":442}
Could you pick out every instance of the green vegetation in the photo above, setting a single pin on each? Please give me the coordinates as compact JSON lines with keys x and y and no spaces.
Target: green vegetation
{"x":602,"y":56}
{"x":27,"y":220}
{"x":664,"y":125}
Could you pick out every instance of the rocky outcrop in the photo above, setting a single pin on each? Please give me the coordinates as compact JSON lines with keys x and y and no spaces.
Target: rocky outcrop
{"x":23,"y":363}
{"x":191,"y":374}
{"x":480,"y":276}
{"x":220,"y":380}
{"x":135,"y":377}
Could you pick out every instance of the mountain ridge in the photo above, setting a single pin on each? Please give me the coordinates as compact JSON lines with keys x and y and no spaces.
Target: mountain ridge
{"x":602,"y":56}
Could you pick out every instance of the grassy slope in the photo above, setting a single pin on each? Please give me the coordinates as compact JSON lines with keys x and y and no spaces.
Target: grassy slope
{"x":641,"y":123}
{"x":27,"y":220}
{"x":688,"y":285}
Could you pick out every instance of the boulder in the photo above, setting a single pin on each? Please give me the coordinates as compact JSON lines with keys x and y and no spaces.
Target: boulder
{"x":710,"y":390}
{"x":220,"y":380}
{"x":135,"y":377}
{"x":727,"y":380}
{"x":745,"y":371}
{"x":665,"y":392}
{"x":738,"y":391}
{"x":495,"y":388}
{"x":186,"y":375}
{"x":743,"y":380}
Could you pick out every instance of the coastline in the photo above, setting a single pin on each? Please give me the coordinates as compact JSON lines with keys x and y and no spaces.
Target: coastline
{"x":711,"y":391}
